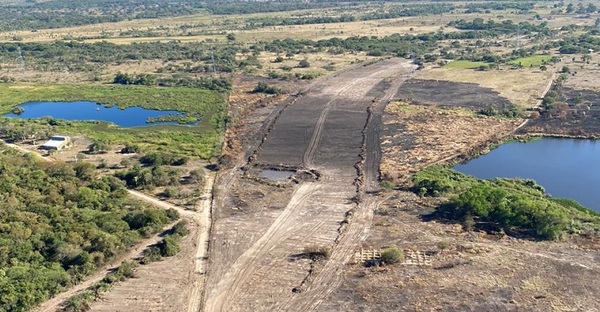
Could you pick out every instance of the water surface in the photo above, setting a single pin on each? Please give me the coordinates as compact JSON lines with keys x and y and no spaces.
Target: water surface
{"x":566,"y":168}
{"x":276,"y":175}
{"x":91,"y":111}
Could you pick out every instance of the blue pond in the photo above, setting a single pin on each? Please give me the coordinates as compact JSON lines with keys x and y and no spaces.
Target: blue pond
{"x":564,"y":167}
{"x":91,"y":111}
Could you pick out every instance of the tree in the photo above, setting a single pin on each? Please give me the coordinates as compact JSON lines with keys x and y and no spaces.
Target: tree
{"x":231,"y":37}
{"x":98,"y":147}
{"x":565,"y":69}
{"x":304,"y":63}
{"x":543,"y":68}
{"x":570,"y":8}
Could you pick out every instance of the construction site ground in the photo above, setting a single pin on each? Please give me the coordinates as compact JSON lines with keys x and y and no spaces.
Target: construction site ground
{"x":334,"y":127}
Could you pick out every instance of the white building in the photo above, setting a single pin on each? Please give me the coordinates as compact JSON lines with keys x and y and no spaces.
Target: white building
{"x":56,"y":142}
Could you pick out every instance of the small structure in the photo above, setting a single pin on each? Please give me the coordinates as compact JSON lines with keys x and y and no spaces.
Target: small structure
{"x":56,"y":142}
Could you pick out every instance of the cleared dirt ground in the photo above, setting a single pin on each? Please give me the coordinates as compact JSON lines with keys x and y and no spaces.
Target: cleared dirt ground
{"x":466,"y":271}
{"x":263,"y":226}
{"x":322,"y":130}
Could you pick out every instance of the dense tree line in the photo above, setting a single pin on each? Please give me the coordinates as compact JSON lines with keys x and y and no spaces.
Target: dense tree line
{"x":505,"y":27}
{"x":481,"y":7}
{"x":281,"y":21}
{"x":58,"y":223}
{"x":56,"y":14}
{"x":519,"y":207}
{"x":580,"y":44}
{"x":78,"y":56}
{"x":409,"y":10}
{"x":210,"y":83}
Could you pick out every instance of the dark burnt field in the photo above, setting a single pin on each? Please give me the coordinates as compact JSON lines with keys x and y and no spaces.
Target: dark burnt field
{"x":324,"y":127}
{"x":446,"y":93}
{"x":576,"y":114}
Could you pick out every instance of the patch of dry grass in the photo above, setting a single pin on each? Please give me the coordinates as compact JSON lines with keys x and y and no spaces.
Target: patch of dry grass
{"x":522,"y":87}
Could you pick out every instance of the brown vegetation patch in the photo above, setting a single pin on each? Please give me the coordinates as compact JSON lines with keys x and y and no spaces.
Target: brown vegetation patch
{"x":417,"y":136}
{"x":523,"y":87}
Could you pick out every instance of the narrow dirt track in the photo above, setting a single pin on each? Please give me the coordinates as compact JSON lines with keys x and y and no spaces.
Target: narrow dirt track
{"x":324,"y":130}
{"x":54,"y":303}
{"x":229,"y":286}
{"x":203,"y":218}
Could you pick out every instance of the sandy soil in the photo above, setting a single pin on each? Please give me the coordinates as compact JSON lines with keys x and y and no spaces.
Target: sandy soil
{"x":322,"y":130}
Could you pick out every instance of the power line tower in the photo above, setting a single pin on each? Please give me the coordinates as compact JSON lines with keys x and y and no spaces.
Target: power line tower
{"x":21,"y":59}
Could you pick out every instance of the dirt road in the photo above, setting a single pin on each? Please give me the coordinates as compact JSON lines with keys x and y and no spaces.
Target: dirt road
{"x":54,"y":304}
{"x":203,"y":218}
{"x":323,"y":130}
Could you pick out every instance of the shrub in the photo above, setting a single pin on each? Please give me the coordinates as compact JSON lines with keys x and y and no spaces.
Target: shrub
{"x":169,"y":246}
{"x":315,"y":252}
{"x":263,"y":87}
{"x":392,"y":255}
{"x":181,"y":228}
{"x":304,"y":64}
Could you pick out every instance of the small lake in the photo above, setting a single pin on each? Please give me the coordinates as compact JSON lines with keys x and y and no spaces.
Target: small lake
{"x":91,"y":111}
{"x":566,"y":168}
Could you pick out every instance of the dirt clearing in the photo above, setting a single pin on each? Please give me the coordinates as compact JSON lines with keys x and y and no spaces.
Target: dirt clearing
{"x":323,"y":130}
{"x":159,"y":286}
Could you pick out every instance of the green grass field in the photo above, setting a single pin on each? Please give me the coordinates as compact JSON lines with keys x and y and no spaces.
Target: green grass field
{"x":462,"y":64}
{"x":531,"y":61}
{"x":200,"y":141}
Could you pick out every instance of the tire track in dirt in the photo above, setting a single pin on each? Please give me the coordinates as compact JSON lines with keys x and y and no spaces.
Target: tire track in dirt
{"x":329,"y":278}
{"x":229,"y":286}
{"x":352,"y":96}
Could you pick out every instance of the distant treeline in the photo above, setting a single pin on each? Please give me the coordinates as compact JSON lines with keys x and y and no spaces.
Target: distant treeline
{"x":62,"y":13}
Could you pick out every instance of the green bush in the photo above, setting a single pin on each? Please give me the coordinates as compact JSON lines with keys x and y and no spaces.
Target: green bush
{"x":392,"y":255}
{"x":263,"y":87}
{"x":169,"y":246}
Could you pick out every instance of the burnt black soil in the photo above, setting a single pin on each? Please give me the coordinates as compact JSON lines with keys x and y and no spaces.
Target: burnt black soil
{"x":342,"y":139}
{"x":580,"y":117}
{"x":338,"y":114}
{"x":446,"y":93}
{"x":293,"y":130}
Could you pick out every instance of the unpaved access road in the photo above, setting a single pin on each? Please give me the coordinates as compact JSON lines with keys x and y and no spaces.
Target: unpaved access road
{"x":202,"y":217}
{"x":326,"y":129}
